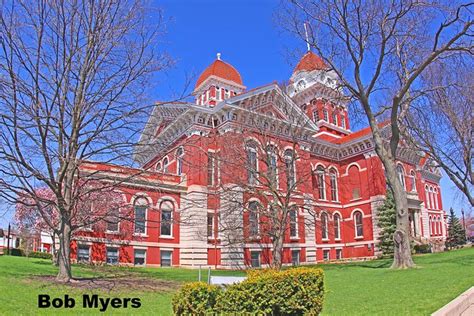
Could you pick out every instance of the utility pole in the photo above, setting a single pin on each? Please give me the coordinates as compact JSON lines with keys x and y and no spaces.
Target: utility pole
{"x":8,"y":239}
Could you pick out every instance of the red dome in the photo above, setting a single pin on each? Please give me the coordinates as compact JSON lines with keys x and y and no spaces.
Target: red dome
{"x":309,"y":62}
{"x":222,"y":70}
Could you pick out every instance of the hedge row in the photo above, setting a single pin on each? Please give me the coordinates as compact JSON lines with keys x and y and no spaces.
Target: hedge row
{"x":21,"y":253}
{"x":298,"y":291}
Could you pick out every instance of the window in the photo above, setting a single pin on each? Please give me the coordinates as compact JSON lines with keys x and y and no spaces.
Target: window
{"x":218,"y":93}
{"x":83,"y":253}
{"x":325,"y":115}
{"x":253,"y":218}
{"x":210,"y":225}
{"x":139,"y":257}
{"x":158,"y":166}
{"x":272,"y":164}
{"x":211,"y":168}
{"x":112,"y":255}
{"x":255,"y":259}
{"x":358,"y":224}
{"x":295,"y":257}
{"x":166,"y":219}
{"x":165,"y":165}
{"x":337,"y":226}
{"x":141,"y":205}
{"x":321,"y":183}
{"x":435,"y":196}
{"x":431,"y":226}
{"x":179,"y":161}
{"x":324,"y":226}
{"x":333,"y":179}
{"x":316,"y":115}
{"x":227,"y":93}
{"x":343,"y":121}
{"x":165,"y":258}
{"x":334,"y":117}
{"x":290,"y":169}
{"x":338,"y":254}
{"x":427,"y":195}
{"x":413,"y":181}
{"x":431,"y":198}
{"x":112,"y":224}
{"x":326,"y":255}
{"x":294,"y":222}
{"x":354,"y":181}
{"x":401,"y":176}
{"x":251,"y":163}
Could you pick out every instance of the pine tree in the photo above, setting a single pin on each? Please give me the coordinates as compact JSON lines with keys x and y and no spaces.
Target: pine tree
{"x":387,"y":222}
{"x":456,"y":233}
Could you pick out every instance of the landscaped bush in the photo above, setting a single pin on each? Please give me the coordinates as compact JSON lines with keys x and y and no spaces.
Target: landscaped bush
{"x":295,"y":291}
{"x":197,"y":298}
{"x":16,"y":252}
{"x":426,"y":248}
{"x":41,"y":255}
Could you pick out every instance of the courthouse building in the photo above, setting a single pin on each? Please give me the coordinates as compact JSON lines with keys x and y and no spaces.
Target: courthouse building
{"x":182,"y":198}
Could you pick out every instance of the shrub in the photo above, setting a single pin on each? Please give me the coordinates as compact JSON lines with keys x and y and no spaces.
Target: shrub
{"x":425,"y":248}
{"x":41,"y":255}
{"x":197,"y":298}
{"x":16,"y":252}
{"x":295,"y":291}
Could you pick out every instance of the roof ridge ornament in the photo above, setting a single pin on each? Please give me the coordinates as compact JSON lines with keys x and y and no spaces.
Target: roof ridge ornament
{"x":218,"y":56}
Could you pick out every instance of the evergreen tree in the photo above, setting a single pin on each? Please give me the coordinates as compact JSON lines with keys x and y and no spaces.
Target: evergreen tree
{"x":456,"y":233}
{"x":387,"y":222}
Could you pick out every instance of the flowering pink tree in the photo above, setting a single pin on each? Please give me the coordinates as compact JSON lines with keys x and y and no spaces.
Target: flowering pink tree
{"x":97,"y":204}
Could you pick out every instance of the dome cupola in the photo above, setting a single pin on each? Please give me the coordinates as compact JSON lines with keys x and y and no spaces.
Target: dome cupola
{"x":219,"y":81}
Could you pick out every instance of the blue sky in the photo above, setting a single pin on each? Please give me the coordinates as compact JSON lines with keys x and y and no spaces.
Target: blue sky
{"x":247,"y":36}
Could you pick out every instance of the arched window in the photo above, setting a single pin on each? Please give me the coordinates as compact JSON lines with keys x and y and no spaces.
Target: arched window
{"x":293,"y":222}
{"x":343,"y":121}
{"x":252,"y":167}
{"x":431,"y":225}
{"x":165,"y":165}
{"x":179,"y":160}
{"x":337,"y":226}
{"x":401,"y":176}
{"x":413,"y":181}
{"x":440,"y":226}
{"x":358,"y":224}
{"x":290,"y":169}
{"x":354,"y":182}
{"x":321,"y":182}
{"x":325,"y":115}
{"x":435,"y":195}
{"x":254,"y":207}
{"x":272,"y":164}
{"x":140,"y":207}
{"x":334,"y":117}
{"x":431,"y":197}
{"x":166,"y":227}
{"x":324,"y":226}
{"x":333,"y":179}
{"x":218,"y":93}
{"x":427,"y":197}
{"x":158,"y":166}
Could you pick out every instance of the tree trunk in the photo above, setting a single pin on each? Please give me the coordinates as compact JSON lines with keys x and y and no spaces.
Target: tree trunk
{"x":277,"y":252}
{"x":64,"y":260}
{"x":54,"y":250}
{"x":402,"y":249}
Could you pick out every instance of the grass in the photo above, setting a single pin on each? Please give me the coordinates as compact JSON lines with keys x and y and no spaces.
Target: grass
{"x":364,"y":288}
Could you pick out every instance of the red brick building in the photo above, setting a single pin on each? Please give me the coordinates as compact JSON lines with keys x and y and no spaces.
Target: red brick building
{"x":189,"y":154}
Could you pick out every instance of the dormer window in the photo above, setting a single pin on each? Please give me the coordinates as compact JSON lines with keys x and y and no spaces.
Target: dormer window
{"x":218,"y":93}
{"x":227,"y":94}
{"x":325,"y":115}
{"x":343,"y":121}
{"x":301,"y":85}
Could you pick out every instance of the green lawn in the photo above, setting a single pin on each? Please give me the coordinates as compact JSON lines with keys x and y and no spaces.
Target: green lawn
{"x":364,"y":288}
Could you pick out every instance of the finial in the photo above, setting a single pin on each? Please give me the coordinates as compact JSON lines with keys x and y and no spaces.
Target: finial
{"x":306,"y":34}
{"x":218,"y":56}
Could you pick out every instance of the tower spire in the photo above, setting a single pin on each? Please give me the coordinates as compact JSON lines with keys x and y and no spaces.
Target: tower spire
{"x":306,"y":35}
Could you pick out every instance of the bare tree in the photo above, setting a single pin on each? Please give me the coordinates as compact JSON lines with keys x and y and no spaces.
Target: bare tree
{"x":72,"y":77}
{"x":447,"y":135}
{"x":379,"y":49}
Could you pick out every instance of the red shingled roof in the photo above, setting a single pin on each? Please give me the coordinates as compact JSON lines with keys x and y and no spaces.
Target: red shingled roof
{"x":310,"y":61}
{"x":359,"y":133}
{"x":222,"y":70}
